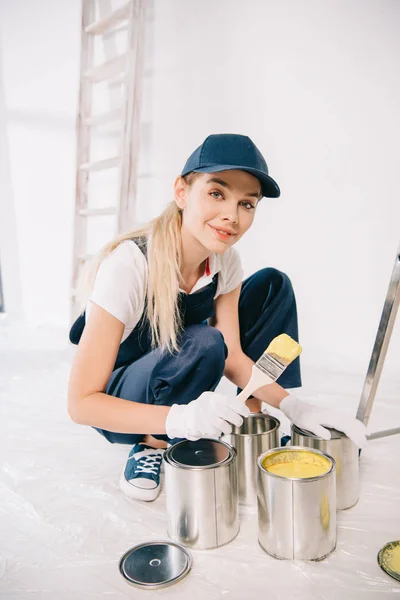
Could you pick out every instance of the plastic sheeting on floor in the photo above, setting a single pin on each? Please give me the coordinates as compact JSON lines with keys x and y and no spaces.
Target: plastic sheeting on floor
{"x":65,"y":524}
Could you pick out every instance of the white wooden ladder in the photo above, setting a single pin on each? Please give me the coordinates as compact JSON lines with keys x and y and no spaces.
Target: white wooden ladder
{"x":101,"y":22}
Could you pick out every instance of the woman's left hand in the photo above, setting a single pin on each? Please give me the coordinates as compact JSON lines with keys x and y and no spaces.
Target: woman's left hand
{"x":312,"y":418}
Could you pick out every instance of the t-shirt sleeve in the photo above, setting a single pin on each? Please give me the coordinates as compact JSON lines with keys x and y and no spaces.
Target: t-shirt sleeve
{"x":121,"y":282}
{"x":231,"y":273}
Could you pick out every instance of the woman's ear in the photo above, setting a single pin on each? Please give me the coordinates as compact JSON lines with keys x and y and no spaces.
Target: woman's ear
{"x":180,"y":189}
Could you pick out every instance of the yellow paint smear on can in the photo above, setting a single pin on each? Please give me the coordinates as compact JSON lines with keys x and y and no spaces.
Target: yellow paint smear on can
{"x":325,"y":513}
{"x":296,"y":464}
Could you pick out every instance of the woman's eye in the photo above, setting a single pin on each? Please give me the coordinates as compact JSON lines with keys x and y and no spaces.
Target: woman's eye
{"x":248,"y":205}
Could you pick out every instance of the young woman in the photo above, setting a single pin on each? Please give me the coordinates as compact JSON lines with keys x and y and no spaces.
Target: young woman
{"x":167,"y":315}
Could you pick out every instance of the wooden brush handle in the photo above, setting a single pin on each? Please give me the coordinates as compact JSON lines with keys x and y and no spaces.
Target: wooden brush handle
{"x":257,"y":380}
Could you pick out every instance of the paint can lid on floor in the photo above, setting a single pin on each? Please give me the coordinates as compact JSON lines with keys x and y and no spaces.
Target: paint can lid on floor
{"x":154,"y":565}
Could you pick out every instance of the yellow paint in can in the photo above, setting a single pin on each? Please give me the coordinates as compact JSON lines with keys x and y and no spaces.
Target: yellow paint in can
{"x":298,"y":464}
{"x":394,"y":562}
{"x":389,"y":559}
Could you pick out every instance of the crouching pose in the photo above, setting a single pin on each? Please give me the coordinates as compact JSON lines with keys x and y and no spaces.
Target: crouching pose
{"x":166,"y":315}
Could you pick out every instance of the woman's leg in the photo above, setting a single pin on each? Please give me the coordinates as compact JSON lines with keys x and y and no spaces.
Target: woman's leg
{"x":267,"y":308}
{"x":161,"y":378}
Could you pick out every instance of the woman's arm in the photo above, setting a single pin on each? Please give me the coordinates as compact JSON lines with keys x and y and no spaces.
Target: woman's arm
{"x":238,"y":366}
{"x":239,"y":372}
{"x":238,"y":369}
{"x":91,"y":369}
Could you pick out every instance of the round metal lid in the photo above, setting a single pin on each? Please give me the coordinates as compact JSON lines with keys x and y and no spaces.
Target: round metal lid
{"x":335,"y":434}
{"x":154,"y":565}
{"x":199,"y":454}
{"x":389,"y":559}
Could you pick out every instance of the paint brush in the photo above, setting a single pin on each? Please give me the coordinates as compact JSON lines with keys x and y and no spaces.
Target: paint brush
{"x":271,"y":364}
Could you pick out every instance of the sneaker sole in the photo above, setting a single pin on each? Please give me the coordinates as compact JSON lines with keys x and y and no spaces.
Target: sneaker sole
{"x":136,"y":493}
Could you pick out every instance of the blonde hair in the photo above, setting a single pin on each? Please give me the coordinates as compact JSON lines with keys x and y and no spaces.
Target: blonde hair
{"x":164,"y":259}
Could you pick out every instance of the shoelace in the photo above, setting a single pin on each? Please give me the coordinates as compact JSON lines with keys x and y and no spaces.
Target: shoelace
{"x":148,"y":461}
{"x":149,"y":464}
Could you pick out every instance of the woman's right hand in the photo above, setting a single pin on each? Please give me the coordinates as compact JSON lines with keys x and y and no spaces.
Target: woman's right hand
{"x":313,"y":418}
{"x":209,"y":416}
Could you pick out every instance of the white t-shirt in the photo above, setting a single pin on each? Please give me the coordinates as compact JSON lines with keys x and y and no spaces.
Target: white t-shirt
{"x":121,"y":282}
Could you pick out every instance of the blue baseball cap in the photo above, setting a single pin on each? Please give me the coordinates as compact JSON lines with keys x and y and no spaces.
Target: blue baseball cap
{"x":228,"y":151}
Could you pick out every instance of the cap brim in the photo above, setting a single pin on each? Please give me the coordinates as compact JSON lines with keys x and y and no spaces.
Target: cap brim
{"x":269,"y":187}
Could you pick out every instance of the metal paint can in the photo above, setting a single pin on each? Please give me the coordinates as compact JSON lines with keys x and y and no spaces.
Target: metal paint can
{"x":345,"y":453}
{"x":296,"y":515}
{"x":258,"y":433}
{"x":201,"y":486}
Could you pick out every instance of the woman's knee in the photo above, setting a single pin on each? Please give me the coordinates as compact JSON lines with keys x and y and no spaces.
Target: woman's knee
{"x":271,"y":275}
{"x":209,"y":341}
{"x":270,"y":283}
{"x":198,"y":367}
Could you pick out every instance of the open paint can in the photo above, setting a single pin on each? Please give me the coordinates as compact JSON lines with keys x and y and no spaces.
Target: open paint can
{"x":201,"y":487}
{"x":389,"y":559}
{"x":345,"y":453}
{"x":258,"y":433}
{"x":296,"y":493}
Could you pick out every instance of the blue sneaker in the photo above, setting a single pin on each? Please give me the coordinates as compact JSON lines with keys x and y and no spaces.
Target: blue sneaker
{"x":141,"y":477}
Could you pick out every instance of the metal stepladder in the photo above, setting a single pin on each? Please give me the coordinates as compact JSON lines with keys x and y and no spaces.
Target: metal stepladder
{"x":379,"y":351}
{"x":100,"y":21}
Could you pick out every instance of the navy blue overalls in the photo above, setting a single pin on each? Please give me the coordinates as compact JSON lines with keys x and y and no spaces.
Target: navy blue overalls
{"x":267,"y":308}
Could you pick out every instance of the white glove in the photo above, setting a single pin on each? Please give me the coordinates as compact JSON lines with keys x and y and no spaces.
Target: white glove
{"x":208,"y":416}
{"x":310,"y":417}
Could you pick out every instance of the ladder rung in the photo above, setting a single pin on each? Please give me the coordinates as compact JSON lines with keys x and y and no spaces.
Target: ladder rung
{"x":106,"y":117}
{"x":117,"y":80}
{"x":97,"y":212}
{"x":84,"y":257}
{"x":118,"y":15}
{"x":107,"y":70}
{"x":100,"y":165}
{"x":120,"y":79}
{"x":121,"y":28}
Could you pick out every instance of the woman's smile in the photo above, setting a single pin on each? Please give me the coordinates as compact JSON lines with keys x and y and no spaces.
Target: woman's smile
{"x":222,"y":234}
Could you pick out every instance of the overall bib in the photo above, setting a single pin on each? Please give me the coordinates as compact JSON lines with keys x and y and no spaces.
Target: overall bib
{"x":267,"y":308}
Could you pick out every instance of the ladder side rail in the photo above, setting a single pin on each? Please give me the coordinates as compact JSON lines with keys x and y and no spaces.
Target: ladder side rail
{"x":381,"y":344}
{"x":132,"y":123}
{"x":110,"y":20}
{"x":110,"y":50}
{"x":82,"y":147}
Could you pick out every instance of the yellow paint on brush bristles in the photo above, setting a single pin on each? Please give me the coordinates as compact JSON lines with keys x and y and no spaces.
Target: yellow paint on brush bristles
{"x":284,"y":348}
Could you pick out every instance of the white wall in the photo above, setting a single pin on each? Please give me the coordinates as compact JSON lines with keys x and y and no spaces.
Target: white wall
{"x":40,"y":43}
{"x":315,"y":84}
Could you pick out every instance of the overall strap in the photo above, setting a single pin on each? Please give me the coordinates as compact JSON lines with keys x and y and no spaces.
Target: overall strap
{"x":78,"y":326}
{"x":141,"y":243}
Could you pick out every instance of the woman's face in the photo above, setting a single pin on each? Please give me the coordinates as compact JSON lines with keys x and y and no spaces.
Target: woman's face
{"x":218,"y":208}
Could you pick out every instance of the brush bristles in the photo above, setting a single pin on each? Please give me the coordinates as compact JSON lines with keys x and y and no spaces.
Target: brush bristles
{"x":283,"y":349}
